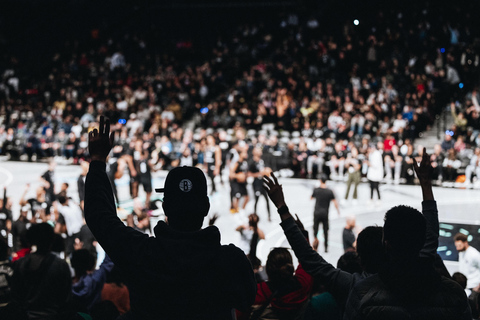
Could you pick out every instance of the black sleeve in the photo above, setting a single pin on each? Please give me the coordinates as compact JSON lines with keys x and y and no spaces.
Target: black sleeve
{"x":338,"y":282}
{"x":430,"y":212}
{"x":244,"y":285}
{"x":81,"y":188}
{"x":120,"y":242}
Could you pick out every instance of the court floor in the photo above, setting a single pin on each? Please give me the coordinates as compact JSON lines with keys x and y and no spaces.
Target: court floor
{"x":457,"y":206}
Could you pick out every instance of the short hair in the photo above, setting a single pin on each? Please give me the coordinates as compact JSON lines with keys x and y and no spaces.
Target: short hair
{"x":323,"y":178}
{"x":42,"y":236}
{"x":82,"y":261}
{"x":62,"y":199}
{"x":460,"y":279}
{"x":460,"y":237}
{"x":405,"y":229}
{"x":370,"y":248}
{"x":350,"y":262}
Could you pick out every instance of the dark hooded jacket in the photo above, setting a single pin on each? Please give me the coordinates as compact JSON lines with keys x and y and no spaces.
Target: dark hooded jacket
{"x":407,"y":291}
{"x":42,"y":285}
{"x":174,"y":275}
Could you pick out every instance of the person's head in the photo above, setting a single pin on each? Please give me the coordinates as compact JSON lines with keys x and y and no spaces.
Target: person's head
{"x":279,"y":265}
{"x":461,"y":242}
{"x":350,"y":262}
{"x":85,"y":166}
{"x":210,"y":140}
{"x":42,"y":236}
{"x":24,"y":211}
{"x":243,"y":154}
{"x":370,"y":249}
{"x":64,"y":186}
{"x":185,"y":199}
{"x":350,"y":223}
{"x":253,"y":220}
{"x":62,"y":199}
{"x":404,"y":232}
{"x":460,"y":279}
{"x":323,"y":178}
{"x":257,"y":153}
{"x":82,"y":262}
{"x":51,"y":165}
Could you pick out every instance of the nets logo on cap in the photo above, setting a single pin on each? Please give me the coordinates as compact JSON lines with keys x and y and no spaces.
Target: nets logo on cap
{"x":186,"y":185}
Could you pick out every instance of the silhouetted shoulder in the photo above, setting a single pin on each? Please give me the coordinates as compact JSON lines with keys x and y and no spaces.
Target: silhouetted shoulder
{"x":371,"y":299}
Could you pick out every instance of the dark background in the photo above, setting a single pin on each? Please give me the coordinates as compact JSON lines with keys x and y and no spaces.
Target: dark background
{"x":34,"y":29}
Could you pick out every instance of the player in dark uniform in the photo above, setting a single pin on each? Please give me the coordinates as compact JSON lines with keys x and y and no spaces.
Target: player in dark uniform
{"x":323,"y":196}
{"x":212,"y":160}
{"x":238,"y":175}
{"x":257,"y":170}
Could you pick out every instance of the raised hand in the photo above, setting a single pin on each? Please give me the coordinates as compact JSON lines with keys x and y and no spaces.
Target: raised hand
{"x":100,"y":141}
{"x":424,"y":173}
{"x":425,"y":170}
{"x":274,"y":190}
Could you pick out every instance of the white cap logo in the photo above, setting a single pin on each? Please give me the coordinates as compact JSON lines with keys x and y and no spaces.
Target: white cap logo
{"x":186,"y":185}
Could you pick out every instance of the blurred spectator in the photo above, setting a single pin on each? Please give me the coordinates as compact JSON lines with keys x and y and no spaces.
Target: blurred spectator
{"x":41,"y":282}
{"x":468,"y":260}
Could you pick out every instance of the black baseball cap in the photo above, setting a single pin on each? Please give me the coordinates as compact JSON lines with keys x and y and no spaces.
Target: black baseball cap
{"x":185,"y":184}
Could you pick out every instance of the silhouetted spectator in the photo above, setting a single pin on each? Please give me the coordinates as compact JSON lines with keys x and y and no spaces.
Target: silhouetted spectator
{"x":88,"y":282}
{"x":8,"y":309}
{"x":41,"y":282}
{"x":350,"y":262}
{"x":285,"y":293}
{"x":182,"y":272}
{"x":116,"y":291}
{"x":369,"y":241}
{"x":348,"y":236}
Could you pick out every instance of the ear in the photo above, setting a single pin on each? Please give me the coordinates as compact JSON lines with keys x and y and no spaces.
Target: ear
{"x":207,"y":207}
{"x":165,"y":208}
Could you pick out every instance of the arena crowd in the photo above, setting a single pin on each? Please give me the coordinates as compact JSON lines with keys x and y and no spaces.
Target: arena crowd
{"x":282,"y":97}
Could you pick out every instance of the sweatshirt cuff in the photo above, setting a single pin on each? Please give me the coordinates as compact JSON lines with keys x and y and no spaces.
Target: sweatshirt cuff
{"x":98,"y":166}
{"x":429,"y":205}
{"x":288,"y":224}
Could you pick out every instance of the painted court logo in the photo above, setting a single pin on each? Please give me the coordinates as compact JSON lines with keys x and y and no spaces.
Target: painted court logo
{"x":186,"y":185}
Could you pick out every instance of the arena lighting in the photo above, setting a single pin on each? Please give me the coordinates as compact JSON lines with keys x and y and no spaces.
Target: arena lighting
{"x":356,"y":22}
{"x":442,"y":50}
{"x":460,"y":85}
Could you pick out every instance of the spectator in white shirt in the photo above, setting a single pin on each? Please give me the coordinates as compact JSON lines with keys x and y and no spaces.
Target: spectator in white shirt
{"x":73,"y":220}
{"x":468,"y":260}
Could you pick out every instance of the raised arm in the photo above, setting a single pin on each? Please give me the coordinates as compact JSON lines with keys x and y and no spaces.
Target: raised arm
{"x":337,"y":281}
{"x":429,"y":206}
{"x":100,"y":210}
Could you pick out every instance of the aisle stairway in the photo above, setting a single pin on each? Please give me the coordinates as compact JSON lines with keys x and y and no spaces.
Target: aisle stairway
{"x":435,"y":135}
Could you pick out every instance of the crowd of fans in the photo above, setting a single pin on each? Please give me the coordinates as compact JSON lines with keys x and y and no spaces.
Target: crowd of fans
{"x":282,"y":96}
{"x":307,"y":97}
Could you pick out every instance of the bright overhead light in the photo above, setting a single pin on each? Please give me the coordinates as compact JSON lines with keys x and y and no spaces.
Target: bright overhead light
{"x":356,"y":22}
